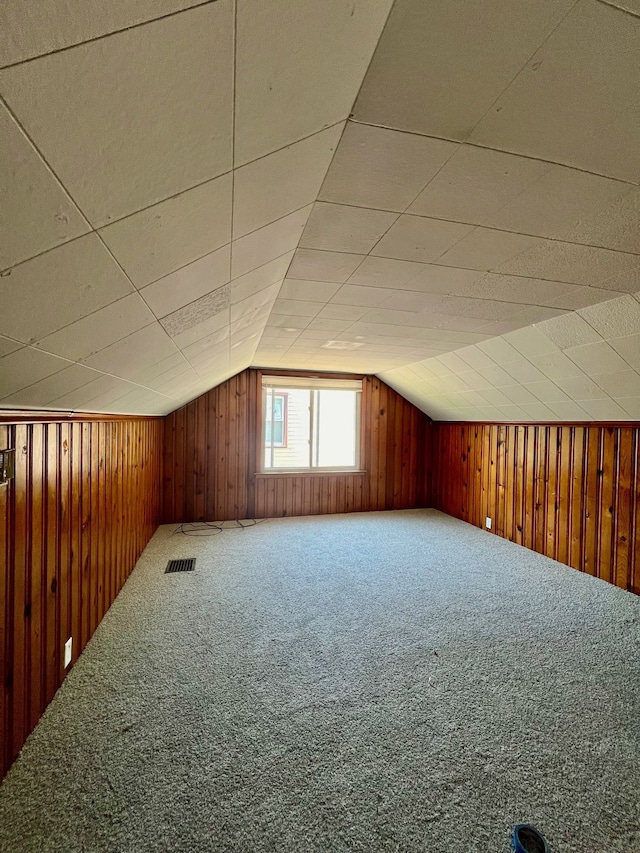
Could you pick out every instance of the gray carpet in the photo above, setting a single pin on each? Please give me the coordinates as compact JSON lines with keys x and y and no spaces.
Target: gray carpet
{"x":371,"y":682}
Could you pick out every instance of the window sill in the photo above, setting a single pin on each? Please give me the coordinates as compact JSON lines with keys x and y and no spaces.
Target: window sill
{"x":260,"y":475}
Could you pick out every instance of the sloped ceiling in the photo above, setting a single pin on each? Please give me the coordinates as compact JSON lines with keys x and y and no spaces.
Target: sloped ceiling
{"x":193,"y":188}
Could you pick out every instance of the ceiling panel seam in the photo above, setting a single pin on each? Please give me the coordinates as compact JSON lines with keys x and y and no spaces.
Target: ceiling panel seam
{"x":484,"y":271}
{"x":571,"y":242}
{"x":476,"y":144}
{"x":620,"y":8}
{"x":520,"y":71}
{"x":107,"y":35}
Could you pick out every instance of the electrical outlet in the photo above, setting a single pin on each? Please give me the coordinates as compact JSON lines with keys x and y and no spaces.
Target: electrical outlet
{"x":488,"y":523}
{"x":67,"y":652}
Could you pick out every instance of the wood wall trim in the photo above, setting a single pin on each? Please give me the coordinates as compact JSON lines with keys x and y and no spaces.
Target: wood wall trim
{"x":571,"y":492}
{"x":19,"y":416}
{"x":82,"y":506}
{"x":543,"y":423}
{"x":211,"y":447}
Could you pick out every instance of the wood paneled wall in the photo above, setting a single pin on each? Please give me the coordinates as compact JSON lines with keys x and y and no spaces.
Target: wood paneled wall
{"x":84,"y":503}
{"x":210,"y":459}
{"x":570,"y":492}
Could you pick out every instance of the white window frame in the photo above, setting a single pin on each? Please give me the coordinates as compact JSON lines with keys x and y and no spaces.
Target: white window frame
{"x":281,"y":385}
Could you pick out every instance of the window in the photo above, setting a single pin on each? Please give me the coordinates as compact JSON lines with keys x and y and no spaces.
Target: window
{"x":276,"y":420}
{"x":310,"y":424}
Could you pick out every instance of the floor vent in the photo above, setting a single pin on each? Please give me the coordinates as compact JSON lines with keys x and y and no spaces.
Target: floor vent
{"x":187,"y":565}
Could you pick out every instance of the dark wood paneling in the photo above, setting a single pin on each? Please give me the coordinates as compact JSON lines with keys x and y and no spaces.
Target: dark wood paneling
{"x":83,"y":504}
{"x":568,"y":491}
{"x":210,"y":458}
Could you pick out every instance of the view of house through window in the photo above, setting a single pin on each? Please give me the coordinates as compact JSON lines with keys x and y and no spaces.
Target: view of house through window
{"x":310,"y":424}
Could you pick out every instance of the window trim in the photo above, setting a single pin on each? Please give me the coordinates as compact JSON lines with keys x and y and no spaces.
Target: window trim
{"x":282,"y":383}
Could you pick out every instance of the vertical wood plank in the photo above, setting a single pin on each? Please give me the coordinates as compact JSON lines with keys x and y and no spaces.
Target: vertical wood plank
{"x":77,"y":487}
{"x":574,"y":490}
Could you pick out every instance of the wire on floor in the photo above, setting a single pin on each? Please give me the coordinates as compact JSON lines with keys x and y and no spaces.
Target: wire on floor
{"x":212,"y":528}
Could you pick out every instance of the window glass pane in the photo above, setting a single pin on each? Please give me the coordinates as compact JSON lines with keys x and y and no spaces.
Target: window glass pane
{"x":278,"y":432}
{"x":276,"y":409}
{"x":295,"y":423}
{"x":335,"y":438}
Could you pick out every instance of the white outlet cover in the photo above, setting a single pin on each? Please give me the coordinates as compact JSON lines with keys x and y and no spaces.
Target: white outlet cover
{"x":67,"y":652}
{"x":488,"y":523}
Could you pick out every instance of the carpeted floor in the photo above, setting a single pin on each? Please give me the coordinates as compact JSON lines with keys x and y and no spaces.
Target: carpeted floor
{"x":372,"y":682}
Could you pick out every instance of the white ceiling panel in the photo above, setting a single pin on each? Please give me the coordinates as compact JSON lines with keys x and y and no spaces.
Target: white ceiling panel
{"x":37,"y":214}
{"x":156,"y":241}
{"x":576,"y":100}
{"x":487,"y":249}
{"x":188,"y":283}
{"x":267,"y":243}
{"x":385,"y":272}
{"x":256,"y":280}
{"x":254,"y":308}
{"x":531,"y":342}
{"x":604,"y":409}
{"x":555,"y":364}
{"x":297,"y":307}
{"x":432,"y":278}
{"x":7,"y":345}
{"x":341,"y":228}
{"x":614,"y":226}
{"x":476,"y":183}
{"x":626,"y":282}
{"x":171,"y":364}
{"x":597,"y":358}
{"x":28,"y":30}
{"x":519,"y":194}
{"x":139,"y":403}
{"x":125,"y":396}
{"x":208,"y":347}
{"x":126,"y":358}
{"x":286,"y":322}
{"x":135,"y":117}
{"x":214,"y":323}
{"x":570,"y":262}
{"x":620,"y":383}
{"x":25,"y":367}
{"x":44,"y":392}
{"x":568,"y":203}
{"x":631,"y":406}
{"x":327,"y":47}
{"x":92,"y":397}
{"x":282,"y":182}
{"x":100,"y":329}
{"x":382,"y":169}
{"x":54,"y":289}
{"x":414,"y":238}
{"x":569,"y":411}
{"x":314,"y":291}
{"x":615,"y":318}
{"x":405,"y":300}
{"x":354,"y":294}
{"x":439,"y":66}
{"x":629,"y":348}
{"x":525,"y":291}
{"x":571,"y":330}
{"x":323,"y":266}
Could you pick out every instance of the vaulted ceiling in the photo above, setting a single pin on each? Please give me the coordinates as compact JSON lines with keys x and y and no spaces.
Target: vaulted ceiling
{"x":443,"y":192}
